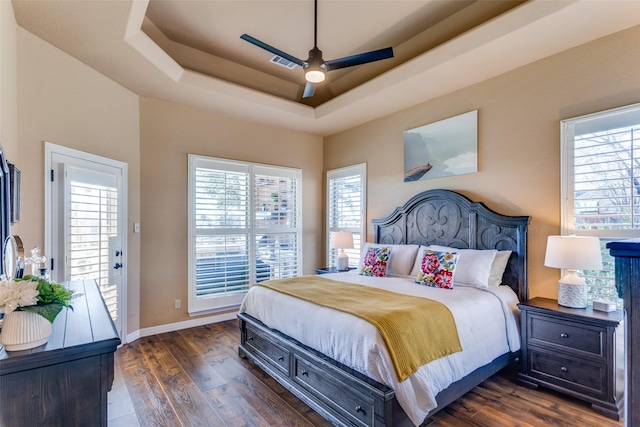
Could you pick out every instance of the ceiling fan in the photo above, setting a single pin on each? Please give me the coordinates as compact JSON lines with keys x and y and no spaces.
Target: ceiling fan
{"x":315,"y":68}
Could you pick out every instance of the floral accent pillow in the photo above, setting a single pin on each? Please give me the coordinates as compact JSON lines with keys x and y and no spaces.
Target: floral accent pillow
{"x":437,"y":269}
{"x":375,"y":262}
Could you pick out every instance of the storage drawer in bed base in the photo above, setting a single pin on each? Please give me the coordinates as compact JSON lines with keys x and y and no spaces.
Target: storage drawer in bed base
{"x":315,"y":379}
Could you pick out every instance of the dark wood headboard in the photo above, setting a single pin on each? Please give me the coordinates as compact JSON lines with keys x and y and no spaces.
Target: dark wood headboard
{"x":443,"y":217}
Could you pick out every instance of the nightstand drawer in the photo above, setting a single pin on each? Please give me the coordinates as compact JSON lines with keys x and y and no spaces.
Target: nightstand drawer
{"x":586,"y":377}
{"x":572,"y":336}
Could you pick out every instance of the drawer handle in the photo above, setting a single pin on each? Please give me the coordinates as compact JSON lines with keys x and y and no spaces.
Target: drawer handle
{"x":564,"y":369}
{"x":281,"y":359}
{"x":359,"y":409}
{"x":304,"y":373}
{"x":564,"y":335}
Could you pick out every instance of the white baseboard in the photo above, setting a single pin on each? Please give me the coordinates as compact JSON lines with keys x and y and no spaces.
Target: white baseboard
{"x":170,"y":327}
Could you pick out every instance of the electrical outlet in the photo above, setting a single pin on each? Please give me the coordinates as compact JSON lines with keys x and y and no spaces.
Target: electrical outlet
{"x":177,"y":304}
{"x":136,"y":227}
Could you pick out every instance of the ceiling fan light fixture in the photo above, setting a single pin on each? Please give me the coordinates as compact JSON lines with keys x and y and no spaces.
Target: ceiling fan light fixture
{"x":314,"y":68}
{"x":314,"y":75}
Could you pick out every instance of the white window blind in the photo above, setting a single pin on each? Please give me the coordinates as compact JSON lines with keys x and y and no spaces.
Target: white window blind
{"x":346,"y":191}
{"x":92,"y":211}
{"x":244,"y":228}
{"x":601,"y":186}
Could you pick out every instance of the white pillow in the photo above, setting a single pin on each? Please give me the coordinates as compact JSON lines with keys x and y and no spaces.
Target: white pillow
{"x":474,"y":265}
{"x":401,"y":257}
{"x":498,"y":267}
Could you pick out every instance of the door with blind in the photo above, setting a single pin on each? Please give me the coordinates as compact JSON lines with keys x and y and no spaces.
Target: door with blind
{"x":86,"y":224}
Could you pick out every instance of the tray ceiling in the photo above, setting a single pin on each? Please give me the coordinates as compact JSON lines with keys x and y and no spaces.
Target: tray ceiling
{"x":191,"y":52}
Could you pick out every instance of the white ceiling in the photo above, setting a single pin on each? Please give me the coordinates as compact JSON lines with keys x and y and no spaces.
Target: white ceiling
{"x":190,"y":52}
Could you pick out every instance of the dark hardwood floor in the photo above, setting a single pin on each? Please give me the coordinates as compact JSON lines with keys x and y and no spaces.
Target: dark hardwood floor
{"x":194,"y":377}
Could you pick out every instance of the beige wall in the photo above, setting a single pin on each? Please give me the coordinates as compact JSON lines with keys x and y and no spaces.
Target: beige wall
{"x":67,"y":103}
{"x":519,"y":117}
{"x":8,"y":82}
{"x":169,"y":132}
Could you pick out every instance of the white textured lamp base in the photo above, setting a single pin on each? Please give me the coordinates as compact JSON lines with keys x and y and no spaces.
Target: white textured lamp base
{"x":342,"y":262}
{"x":572,"y":295}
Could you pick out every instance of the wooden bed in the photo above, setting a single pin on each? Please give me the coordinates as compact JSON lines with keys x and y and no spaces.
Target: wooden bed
{"x":348,"y":398}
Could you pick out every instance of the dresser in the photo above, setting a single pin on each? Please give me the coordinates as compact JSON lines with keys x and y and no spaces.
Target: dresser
{"x":575,"y":351}
{"x":64,"y":382}
{"x":627,"y":256}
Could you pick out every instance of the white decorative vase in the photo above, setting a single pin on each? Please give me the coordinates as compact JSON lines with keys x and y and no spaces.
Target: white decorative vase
{"x":22,"y":330}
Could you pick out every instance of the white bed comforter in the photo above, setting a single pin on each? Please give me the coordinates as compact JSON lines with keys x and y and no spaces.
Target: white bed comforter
{"x":486,"y":319}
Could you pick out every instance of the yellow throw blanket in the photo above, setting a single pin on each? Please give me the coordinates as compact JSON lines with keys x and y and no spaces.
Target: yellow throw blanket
{"x":416,"y":330}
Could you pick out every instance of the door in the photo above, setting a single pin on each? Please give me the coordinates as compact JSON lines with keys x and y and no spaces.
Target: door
{"x":85,"y":226}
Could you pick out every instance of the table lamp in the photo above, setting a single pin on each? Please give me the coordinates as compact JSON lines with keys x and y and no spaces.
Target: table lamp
{"x":341,"y":240}
{"x":573,"y":253}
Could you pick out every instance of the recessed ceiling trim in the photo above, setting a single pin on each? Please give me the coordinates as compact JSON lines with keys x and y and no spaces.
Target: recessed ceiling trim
{"x":136,"y":18}
{"x":242,"y":93}
{"x":146,"y":47}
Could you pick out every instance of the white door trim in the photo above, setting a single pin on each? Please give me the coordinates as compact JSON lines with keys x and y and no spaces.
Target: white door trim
{"x":50,"y":149}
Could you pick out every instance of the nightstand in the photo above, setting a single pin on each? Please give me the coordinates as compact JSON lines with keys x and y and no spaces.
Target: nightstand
{"x":575,"y":351}
{"x":325,"y":270}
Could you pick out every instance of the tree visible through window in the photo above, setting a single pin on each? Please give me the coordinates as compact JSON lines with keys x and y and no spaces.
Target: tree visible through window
{"x":601,"y":188}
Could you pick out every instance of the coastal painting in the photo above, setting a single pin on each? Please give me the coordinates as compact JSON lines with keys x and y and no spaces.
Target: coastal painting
{"x":444,"y":148}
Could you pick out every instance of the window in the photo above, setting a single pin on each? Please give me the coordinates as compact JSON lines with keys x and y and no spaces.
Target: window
{"x":244,"y":227}
{"x":601,"y":185}
{"x":346,"y":191}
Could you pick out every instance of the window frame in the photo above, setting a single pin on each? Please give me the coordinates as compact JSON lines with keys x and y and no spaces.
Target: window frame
{"x":213,"y":304}
{"x":330,"y":254}
{"x":567,"y":187}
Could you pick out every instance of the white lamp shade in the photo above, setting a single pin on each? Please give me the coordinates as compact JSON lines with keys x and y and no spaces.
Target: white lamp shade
{"x":573,"y":253}
{"x":341,"y":240}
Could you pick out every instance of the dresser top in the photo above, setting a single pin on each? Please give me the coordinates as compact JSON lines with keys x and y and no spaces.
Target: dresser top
{"x":547,"y":305}
{"x":86,"y":329}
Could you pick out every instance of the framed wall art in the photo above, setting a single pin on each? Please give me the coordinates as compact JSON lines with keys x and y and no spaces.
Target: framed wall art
{"x":444,"y":148}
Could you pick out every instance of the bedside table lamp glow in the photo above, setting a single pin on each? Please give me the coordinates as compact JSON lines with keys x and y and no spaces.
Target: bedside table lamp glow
{"x":573,"y":253}
{"x":341,"y":240}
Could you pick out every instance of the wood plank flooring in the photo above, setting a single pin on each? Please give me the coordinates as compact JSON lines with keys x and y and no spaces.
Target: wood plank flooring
{"x":194,"y":377}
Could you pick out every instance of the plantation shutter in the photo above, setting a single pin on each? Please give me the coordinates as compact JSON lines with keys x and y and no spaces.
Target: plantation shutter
{"x":222,"y":230}
{"x":346,"y":209}
{"x":606,"y":194}
{"x":276,"y":222}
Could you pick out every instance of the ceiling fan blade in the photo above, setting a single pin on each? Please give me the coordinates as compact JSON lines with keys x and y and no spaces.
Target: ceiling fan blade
{"x":309,"y":90}
{"x":361,"y":58}
{"x":272,"y":49}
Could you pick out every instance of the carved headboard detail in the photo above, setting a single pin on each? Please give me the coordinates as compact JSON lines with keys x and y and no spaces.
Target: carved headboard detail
{"x":443,"y":217}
